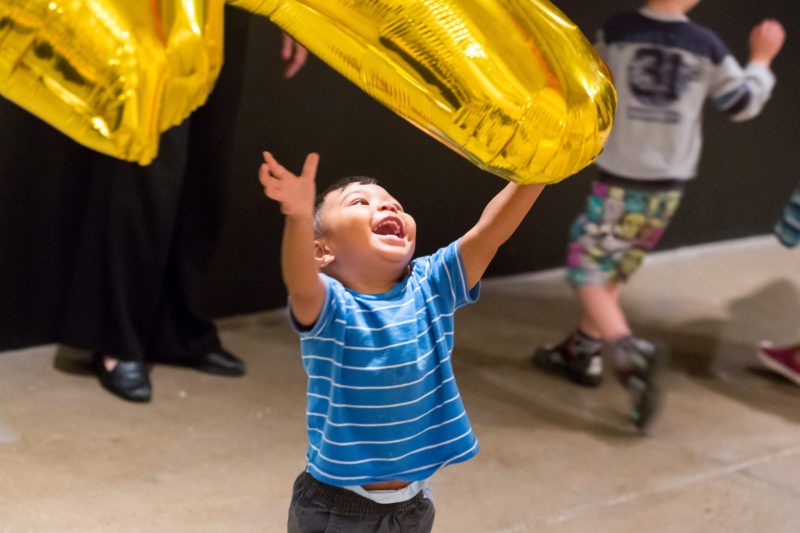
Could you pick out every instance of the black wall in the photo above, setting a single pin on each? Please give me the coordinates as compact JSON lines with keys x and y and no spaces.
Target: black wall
{"x":746,"y":174}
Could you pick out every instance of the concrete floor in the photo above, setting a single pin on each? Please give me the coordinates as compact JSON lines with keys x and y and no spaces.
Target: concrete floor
{"x":214,"y":454}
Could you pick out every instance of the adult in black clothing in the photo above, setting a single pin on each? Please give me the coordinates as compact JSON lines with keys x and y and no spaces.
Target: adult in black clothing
{"x":135,"y":267}
{"x":147,"y":236}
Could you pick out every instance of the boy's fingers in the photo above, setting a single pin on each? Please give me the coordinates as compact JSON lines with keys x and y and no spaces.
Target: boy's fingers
{"x":267,"y":156}
{"x":297,"y":61}
{"x":263,"y":174}
{"x":269,"y":160}
{"x":286,"y":51}
{"x":274,"y":189}
{"x":268,"y":180}
{"x":272,"y":185}
{"x":772,"y":25}
{"x":272,"y":192}
{"x":310,"y":166}
{"x":768,"y":25}
{"x":276,"y":168}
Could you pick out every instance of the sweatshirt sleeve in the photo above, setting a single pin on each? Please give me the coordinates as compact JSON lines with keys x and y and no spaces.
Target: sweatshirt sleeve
{"x":741,"y":92}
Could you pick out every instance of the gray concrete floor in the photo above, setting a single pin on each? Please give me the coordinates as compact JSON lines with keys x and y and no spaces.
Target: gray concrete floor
{"x":213,"y":454}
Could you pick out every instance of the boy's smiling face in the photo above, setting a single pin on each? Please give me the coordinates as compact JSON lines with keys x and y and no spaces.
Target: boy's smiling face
{"x":366,"y":232}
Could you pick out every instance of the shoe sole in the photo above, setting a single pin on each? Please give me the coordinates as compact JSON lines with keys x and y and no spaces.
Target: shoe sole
{"x":648,"y":404}
{"x":144,"y":398}
{"x":778,"y":368}
{"x":134,"y":399}
{"x":217,"y":371}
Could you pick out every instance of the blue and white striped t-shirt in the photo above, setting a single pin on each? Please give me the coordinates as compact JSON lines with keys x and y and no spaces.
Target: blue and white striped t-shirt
{"x":382,"y":399}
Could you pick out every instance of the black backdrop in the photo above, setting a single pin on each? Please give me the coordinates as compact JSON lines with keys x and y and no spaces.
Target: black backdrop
{"x":746,"y":174}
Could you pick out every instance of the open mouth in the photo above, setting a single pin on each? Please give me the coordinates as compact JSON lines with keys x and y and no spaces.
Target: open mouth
{"x":391,"y":226}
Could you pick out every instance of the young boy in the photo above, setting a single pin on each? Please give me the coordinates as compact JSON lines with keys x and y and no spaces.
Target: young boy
{"x":664,"y":68}
{"x":376,"y":331}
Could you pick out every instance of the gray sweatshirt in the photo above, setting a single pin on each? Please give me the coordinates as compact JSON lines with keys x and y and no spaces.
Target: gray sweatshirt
{"x":664,"y":68}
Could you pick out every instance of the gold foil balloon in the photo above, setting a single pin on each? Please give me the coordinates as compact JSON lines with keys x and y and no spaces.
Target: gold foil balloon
{"x":512,"y":85}
{"x":110,"y":74}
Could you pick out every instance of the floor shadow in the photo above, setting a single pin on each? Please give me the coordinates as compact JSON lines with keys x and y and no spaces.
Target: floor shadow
{"x":73,"y":361}
{"x":723,"y":357}
{"x":545,"y":399}
{"x":718,"y":353}
{"x":495,"y":340}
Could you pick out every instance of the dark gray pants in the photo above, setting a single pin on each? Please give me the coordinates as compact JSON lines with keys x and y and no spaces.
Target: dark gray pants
{"x":321,"y":508}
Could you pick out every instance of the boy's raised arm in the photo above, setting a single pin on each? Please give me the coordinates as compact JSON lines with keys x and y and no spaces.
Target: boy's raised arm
{"x":300,"y":271}
{"x":498,"y":222}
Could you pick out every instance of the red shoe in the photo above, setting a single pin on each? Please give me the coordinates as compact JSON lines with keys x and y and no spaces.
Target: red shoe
{"x":780,"y":360}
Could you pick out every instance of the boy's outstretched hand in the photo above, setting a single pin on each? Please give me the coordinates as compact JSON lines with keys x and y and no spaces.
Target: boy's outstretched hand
{"x":766,"y":41}
{"x":295,"y":193}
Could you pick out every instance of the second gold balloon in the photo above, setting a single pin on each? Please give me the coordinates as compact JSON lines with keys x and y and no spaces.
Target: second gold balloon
{"x":514,"y":86}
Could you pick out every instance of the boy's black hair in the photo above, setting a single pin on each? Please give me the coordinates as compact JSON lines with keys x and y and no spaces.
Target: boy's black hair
{"x":335,"y":186}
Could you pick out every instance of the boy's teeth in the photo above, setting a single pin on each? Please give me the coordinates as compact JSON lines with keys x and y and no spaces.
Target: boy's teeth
{"x":389,"y":227}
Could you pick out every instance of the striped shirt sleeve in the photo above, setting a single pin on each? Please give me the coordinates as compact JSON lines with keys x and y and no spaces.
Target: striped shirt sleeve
{"x":329,"y":307}
{"x":445,"y":272}
{"x":739,"y":92}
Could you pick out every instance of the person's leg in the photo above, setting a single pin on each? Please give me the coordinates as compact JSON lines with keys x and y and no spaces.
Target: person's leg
{"x":182,"y":332}
{"x":578,"y":356}
{"x":608,"y":245}
{"x":601,"y":315}
{"x":120,"y":261}
{"x":638,"y":363}
{"x":185,"y":335}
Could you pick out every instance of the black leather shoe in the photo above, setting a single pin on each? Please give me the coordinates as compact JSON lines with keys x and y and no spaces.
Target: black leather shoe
{"x":128,"y":380}
{"x":220,"y":362}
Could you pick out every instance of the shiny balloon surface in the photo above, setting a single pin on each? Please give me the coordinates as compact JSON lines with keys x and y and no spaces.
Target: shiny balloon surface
{"x":111,"y":74}
{"x":512,"y":85}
